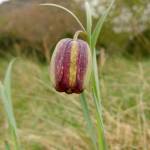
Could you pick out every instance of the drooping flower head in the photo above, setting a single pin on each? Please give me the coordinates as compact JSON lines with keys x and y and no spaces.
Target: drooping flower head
{"x":70,"y":66}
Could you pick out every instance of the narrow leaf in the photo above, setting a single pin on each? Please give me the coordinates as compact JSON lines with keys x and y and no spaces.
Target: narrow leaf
{"x":99,"y":25}
{"x":5,"y":90}
{"x":88,"y":19}
{"x":7,"y":79}
{"x":5,"y":102}
{"x":7,"y":93}
{"x":95,"y":76}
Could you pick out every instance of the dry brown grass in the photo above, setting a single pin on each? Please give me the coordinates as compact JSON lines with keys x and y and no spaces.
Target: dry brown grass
{"x":48,"y":120}
{"x":38,"y":28}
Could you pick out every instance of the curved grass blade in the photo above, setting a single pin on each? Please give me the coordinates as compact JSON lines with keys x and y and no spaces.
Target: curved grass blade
{"x":7,"y":81}
{"x":7,"y":93}
{"x":5,"y":90}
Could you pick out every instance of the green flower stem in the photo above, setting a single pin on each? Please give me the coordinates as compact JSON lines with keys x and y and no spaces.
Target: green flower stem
{"x":98,"y":105}
{"x":76,"y":35}
{"x":67,"y":10}
{"x":99,"y":144}
{"x":88,"y":119}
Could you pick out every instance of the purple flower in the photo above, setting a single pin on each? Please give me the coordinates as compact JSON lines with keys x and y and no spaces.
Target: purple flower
{"x":70,"y":67}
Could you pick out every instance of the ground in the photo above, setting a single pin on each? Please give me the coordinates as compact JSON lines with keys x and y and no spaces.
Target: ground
{"x":48,"y":120}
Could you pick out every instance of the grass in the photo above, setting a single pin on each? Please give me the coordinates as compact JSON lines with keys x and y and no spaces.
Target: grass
{"x":5,"y":93}
{"x":45,"y":117}
{"x":98,"y":137}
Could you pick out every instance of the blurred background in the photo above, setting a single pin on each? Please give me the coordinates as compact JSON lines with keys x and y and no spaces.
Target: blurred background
{"x":48,"y":120}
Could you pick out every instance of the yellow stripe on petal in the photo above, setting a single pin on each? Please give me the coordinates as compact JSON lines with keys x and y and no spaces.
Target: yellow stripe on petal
{"x":73,"y":64}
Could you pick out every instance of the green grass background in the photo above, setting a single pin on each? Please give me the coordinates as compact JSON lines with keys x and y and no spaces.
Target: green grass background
{"x":48,"y":120}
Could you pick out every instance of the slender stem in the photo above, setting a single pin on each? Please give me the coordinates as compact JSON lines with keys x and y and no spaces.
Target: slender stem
{"x":101,"y":136}
{"x":76,"y":35}
{"x":97,"y":100}
{"x":67,"y":10}
{"x":90,"y":126}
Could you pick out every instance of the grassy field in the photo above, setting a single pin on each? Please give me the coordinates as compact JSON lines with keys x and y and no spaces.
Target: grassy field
{"x":48,"y":120}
